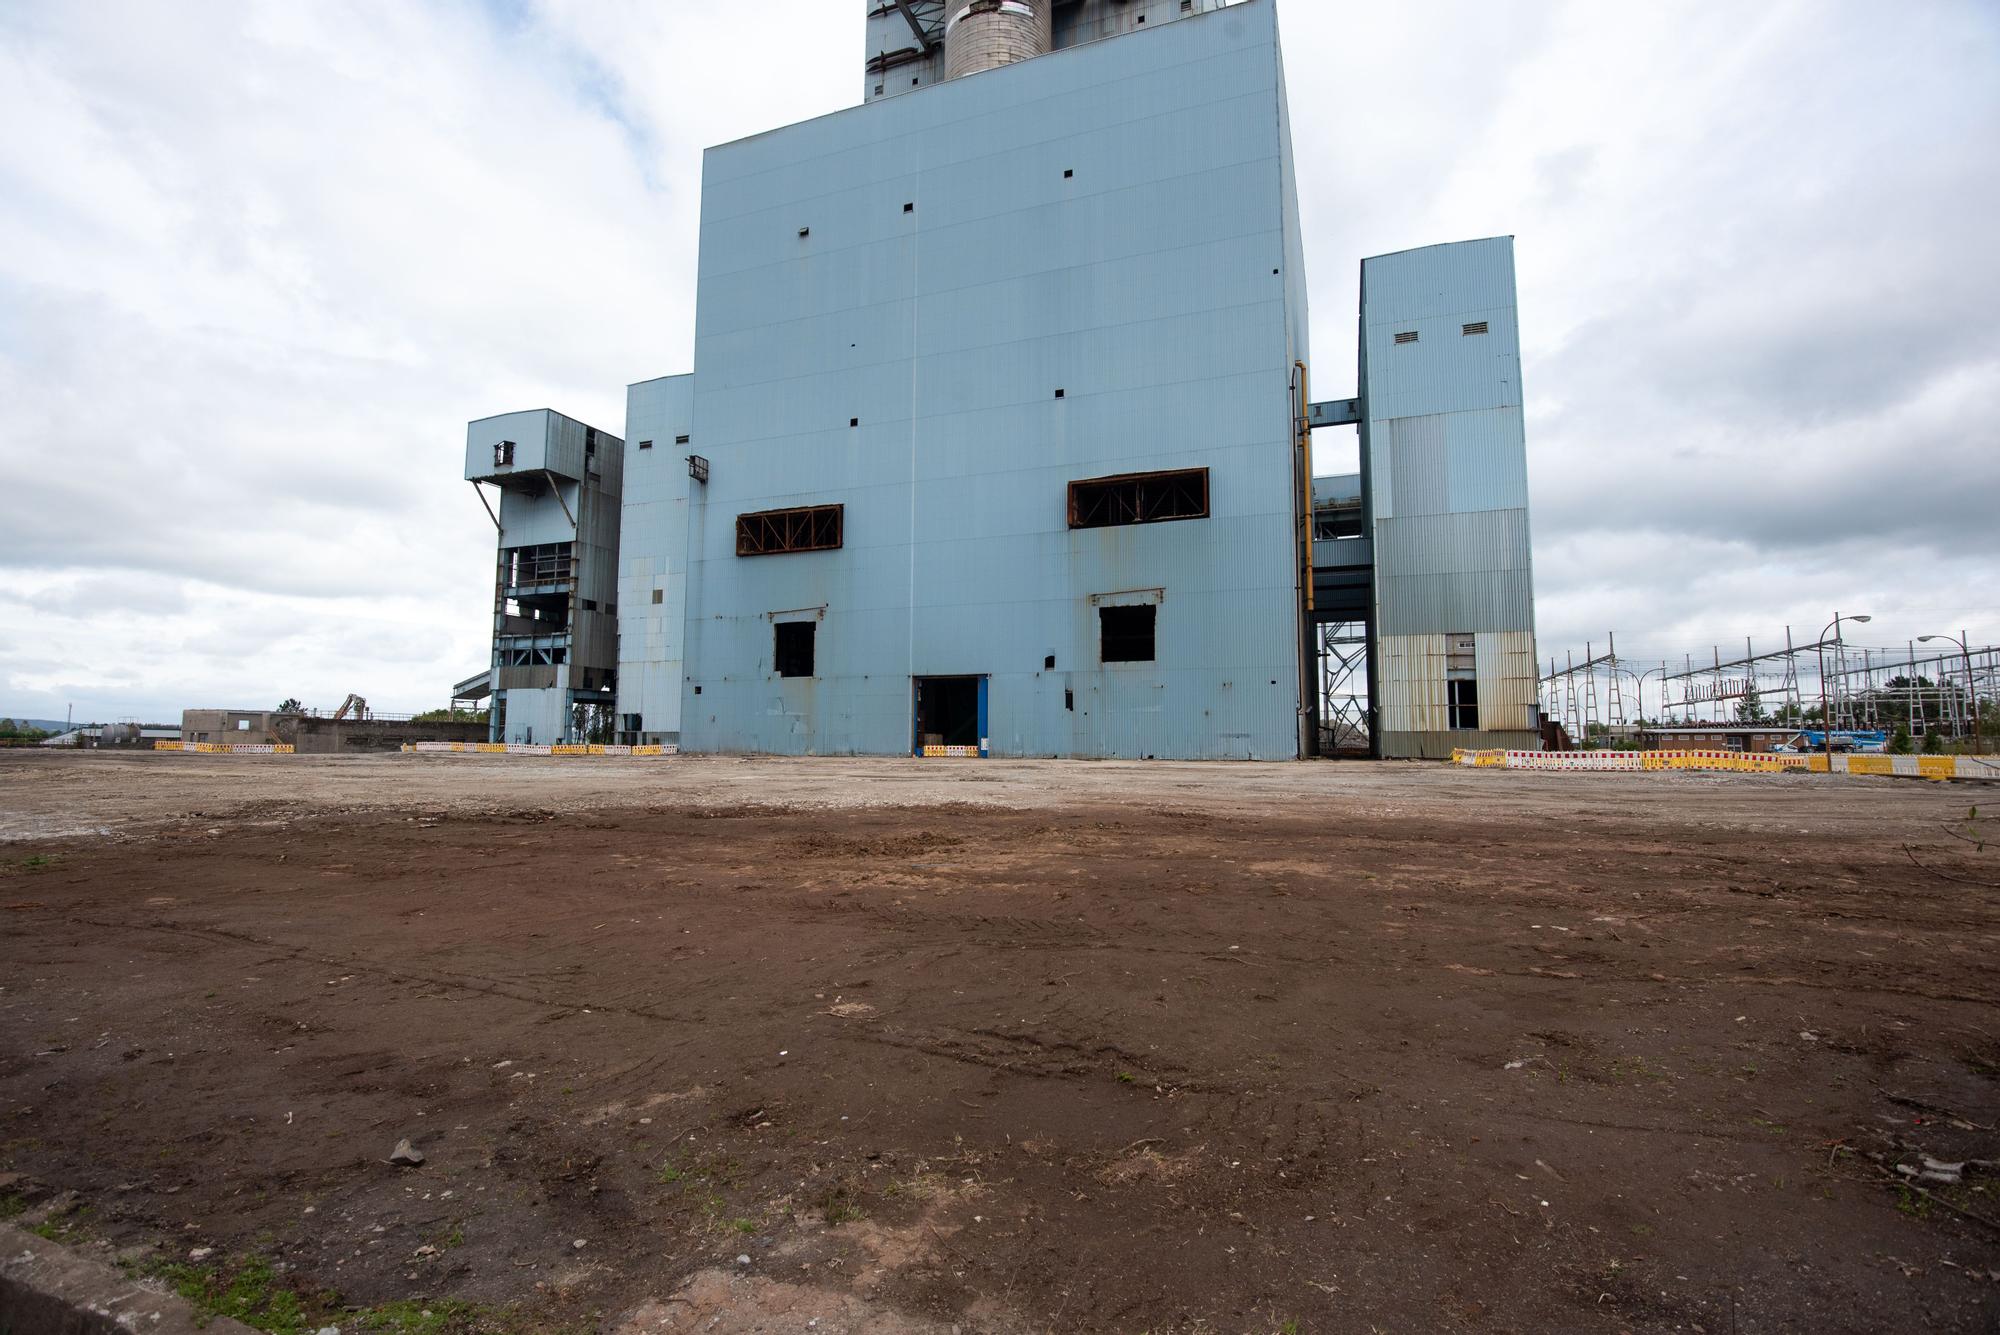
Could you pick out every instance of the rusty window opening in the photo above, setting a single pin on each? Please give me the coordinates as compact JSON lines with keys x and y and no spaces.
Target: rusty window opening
{"x":528,"y":567}
{"x":1125,"y":634}
{"x":1476,"y":327}
{"x":1139,"y":498}
{"x":811,"y":528}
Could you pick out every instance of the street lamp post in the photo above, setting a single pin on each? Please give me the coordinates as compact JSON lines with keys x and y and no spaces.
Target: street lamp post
{"x":1826,"y":714}
{"x":1971,"y":689}
{"x":1639,"y":685}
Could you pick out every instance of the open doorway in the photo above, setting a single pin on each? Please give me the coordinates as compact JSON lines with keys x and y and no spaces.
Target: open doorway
{"x":950,"y":716}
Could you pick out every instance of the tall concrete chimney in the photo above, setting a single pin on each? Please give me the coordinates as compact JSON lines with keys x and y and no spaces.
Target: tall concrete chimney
{"x":986,"y":34}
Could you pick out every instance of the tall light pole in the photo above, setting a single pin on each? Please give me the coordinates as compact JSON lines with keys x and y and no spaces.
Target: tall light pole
{"x":1639,"y":686}
{"x":1825,"y":714}
{"x":1971,"y":690}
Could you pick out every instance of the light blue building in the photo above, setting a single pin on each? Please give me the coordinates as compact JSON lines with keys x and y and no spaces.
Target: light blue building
{"x":997,"y":439}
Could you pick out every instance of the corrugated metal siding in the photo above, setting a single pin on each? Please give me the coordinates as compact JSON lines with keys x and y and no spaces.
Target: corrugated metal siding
{"x":1413,"y":698}
{"x":1153,"y":287}
{"x":653,"y":555}
{"x":1446,"y":466}
{"x":1507,"y":680}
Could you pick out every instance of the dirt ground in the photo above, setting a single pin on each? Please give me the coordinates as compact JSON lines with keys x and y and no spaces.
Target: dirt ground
{"x":897,"y":1046}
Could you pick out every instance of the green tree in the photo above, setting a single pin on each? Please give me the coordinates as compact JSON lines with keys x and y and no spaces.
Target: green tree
{"x":1750,"y":709}
{"x":1933,"y":742}
{"x":291,"y":706}
{"x":1901,"y":744}
{"x":450,"y":716}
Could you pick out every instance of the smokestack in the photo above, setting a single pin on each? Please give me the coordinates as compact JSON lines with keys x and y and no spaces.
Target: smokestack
{"x":986,"y":34}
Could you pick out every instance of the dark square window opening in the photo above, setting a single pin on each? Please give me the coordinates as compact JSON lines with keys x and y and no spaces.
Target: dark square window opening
{"x":1462,"y":703}
{"x":1139,"y":498}
{"x":792,"y":648}
{"x":1125,"y":634}
{"x":680,"y":440}
{"x":503,"y":454}
{"x":811,"y":528}
{"x":659,"y":595}
{"x":645,"y":444}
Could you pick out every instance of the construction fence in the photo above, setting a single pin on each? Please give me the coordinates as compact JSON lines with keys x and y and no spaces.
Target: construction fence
{"x":227,"y":748}
{"x":1911,"y":767}
{"x":522,"y":749}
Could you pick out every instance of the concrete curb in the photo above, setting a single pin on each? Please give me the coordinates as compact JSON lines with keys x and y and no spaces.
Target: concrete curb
{"x":49,"y":1289}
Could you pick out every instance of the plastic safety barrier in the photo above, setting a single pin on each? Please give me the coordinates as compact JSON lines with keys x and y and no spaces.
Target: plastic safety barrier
{"x":522,"y":749}
{"x":1916,"y":767}
{"x":227,"y":748}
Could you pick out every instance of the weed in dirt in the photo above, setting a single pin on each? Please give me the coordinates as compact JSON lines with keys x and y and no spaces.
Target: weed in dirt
{"x":255,"y":1294}
{"x":1914,"y":1204}
{"x":11,"y":1206}
{"x":1636,"y":1069}
{"x":419,"y":1317}
{"x":252,"y":1294}
{"x":39,"y":862}
{"x":744,"y":1225}
{"x":1289,"y":1326}
{"x":63,"y":1224}
{"x":1127,"y":1078}
{"x":837,"y":1205}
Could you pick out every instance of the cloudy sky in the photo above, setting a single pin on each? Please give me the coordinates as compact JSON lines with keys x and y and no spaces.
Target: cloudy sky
{"x":259,"y":263}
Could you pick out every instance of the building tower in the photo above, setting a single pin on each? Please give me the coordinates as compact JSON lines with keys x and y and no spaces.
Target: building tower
{"x":555,"y":629}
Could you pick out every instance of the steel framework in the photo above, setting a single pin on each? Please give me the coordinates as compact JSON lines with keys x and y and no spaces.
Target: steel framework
{"x":1865,"y":686}
{"x":1344,"y":719}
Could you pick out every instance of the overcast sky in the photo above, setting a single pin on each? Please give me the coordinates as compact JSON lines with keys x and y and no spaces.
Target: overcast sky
{"x":259,"y":263}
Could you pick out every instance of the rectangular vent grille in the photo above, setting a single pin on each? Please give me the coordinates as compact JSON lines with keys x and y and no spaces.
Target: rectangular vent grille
{"x":1476,"y":327}
{"x":1407,"y":336}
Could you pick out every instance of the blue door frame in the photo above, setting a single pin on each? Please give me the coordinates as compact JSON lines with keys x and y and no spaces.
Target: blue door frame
{"x":916,"y":719}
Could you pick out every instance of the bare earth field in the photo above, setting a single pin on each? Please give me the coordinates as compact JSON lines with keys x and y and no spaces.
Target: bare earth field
{"x":896,"y":1046}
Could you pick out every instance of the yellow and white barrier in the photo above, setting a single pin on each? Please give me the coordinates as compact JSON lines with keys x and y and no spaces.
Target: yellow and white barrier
{"x":1914,"y":767}
{"x":522,"y":749}
{"x":227,"y":748}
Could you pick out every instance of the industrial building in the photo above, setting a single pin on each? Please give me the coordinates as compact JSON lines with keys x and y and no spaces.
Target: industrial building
{"x":998,"y":438}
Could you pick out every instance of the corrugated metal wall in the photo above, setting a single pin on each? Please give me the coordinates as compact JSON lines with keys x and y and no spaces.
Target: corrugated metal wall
{"x":653,"y":556}
{"x":1445,"y":460}
{"x":1113,"y":221}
